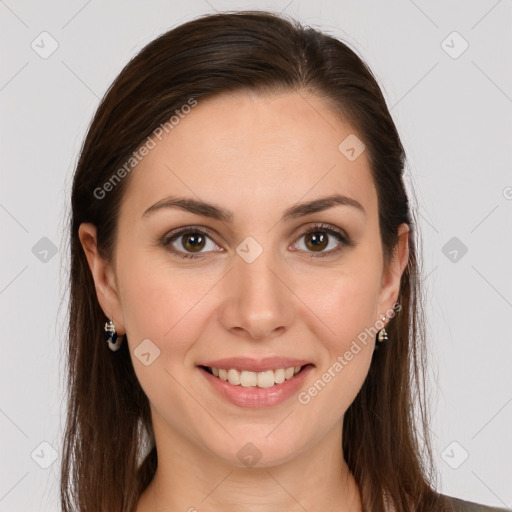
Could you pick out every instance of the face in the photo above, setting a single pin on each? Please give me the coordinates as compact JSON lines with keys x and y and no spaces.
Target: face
{"x":267,"y":280}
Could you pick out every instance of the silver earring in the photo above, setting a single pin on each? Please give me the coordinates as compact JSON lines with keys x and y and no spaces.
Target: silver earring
{"x":383,"y":335}
{"x":113,"y":339}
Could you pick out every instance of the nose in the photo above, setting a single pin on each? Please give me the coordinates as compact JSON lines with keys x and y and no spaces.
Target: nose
{"x":258,"y":300}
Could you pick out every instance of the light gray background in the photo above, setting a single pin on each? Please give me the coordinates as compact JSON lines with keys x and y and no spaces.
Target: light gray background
{"x":454,"y":116}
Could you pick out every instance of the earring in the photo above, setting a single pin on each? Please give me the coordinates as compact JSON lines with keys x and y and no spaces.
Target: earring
{"x":113,"y":340}
{"x":382,"y":336}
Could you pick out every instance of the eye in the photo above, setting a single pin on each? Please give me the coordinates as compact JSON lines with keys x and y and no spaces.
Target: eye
{"x":322,"y":236}
{"x":189,"y":242}
{"x":194,"y":242}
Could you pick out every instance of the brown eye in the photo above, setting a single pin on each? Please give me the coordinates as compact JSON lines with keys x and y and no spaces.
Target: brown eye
{"x":193,"y":242}
{"x":323,"y":240}
{"x":190,"y":243}
{"x":316,"y":240}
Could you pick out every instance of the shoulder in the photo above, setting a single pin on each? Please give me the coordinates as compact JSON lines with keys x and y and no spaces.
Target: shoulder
{"x":460,"y":505}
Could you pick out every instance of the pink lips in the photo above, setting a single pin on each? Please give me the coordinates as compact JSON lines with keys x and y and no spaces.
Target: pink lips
{"x":254,"y":365}
{"x":254,"y":397}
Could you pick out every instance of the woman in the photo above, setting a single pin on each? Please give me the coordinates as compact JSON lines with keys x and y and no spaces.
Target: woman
{"x":241,"y":234}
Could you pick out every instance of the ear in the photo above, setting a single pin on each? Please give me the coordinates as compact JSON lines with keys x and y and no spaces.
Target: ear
{"x":103,"y":276}
{"x":390,"y":284}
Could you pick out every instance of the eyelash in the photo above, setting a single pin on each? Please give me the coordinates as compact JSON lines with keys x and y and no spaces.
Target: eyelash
{"x":327,"y":228}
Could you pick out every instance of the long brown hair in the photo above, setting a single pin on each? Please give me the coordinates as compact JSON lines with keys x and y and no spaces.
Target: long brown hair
{"x":385,"y":433}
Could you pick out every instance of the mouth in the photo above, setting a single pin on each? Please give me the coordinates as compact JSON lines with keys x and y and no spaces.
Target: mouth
{"x":249,"y":379}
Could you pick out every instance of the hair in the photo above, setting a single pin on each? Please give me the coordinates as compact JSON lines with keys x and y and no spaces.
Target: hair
{"x":385,"y":430}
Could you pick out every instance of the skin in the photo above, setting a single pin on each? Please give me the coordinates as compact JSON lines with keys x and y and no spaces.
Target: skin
{"x":256,"y":156}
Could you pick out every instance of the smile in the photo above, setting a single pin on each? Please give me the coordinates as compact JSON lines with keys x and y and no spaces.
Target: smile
{"x":247,"y":379}
{"x":256,"y":389}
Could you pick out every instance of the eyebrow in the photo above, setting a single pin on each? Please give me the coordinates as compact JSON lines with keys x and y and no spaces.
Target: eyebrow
{"x":219,"y":213}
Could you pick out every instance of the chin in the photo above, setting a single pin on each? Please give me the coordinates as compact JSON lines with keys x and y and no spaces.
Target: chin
{"x":253,"y":451}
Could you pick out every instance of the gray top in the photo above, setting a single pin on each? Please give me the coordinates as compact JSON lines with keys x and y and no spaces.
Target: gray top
{"x":469,"y":506}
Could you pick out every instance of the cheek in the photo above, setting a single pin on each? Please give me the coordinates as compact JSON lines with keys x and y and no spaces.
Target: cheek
{"x":347,"y":309}
{"x":342,"y":309}
{"x":165,"y":306}
{"x":159,"y":301}
{"x":344,"y":300}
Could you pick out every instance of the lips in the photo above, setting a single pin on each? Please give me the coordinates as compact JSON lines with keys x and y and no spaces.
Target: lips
{"x":255,"y":396}
{"x":254,"y":365}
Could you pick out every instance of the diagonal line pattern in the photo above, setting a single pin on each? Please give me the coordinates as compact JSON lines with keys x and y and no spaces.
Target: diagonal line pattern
{"x":14,"y":423}
{"x":308,"y":191}
{"x":193,"y":306}
{"x":491,"y":419}
{"x":485,"y":15}
{"x":431,"y":272}
{"x":13,"y":217}
{"x":280,"y":423}
{"x":492,"y":81}
{"x":484,"y":218}
{"x":502,"y":296}
{"x":286,"y":490}
{"x":298,"y":92}
{"x":414,"y":86}
{"x":75,"y":15}
{"x":13,"y":279}
{"x":286,"y":7}
{"x":198,"y":403}
{"x":14,"y":76}
{"x":80,"y":79}
{"x":212,"y":6}
{"x":302,"y":301}
{"x":14,"y":14}
{"x":217,"y":485}
{"x":424,"y":14}
{"x":14,"y":486}
{"x":429,"y":223}
{"x":170,"y":170}
{"x":432,"y":431}
{"x":489,"y":489}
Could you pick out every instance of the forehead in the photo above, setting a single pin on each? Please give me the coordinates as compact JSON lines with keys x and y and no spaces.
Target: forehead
{"x":254,"y":151}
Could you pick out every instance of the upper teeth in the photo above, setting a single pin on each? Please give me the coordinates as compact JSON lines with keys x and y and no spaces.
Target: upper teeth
{"x":264,"y":379}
